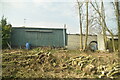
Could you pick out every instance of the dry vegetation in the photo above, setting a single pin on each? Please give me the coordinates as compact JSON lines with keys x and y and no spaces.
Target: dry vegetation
{"x":59,"y":63}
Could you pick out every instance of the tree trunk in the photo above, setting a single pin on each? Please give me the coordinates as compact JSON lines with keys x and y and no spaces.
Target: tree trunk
{"x":80,"y":23}
{"x":118,"y":23}
{"x":86,"y":36}
{"x":81,"y":34}
{"x":9,"y":45}
{"x":103,"y":25}
{"x":119,"y":28}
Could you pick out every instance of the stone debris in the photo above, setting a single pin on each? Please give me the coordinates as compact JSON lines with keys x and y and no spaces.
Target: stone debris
{"x":85,"y":64}
{"x":80,"y":61}
{"x":39,"y":60}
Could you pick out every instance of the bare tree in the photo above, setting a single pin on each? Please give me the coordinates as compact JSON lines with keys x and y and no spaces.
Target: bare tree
{"x":105,"y":26}
{"x":117,"y":10}
{"x":94,"y":26}
{"x":80,"y":23}
{"x":86,"y":36}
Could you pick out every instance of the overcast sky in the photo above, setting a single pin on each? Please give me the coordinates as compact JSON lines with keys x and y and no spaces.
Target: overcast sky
{"x":44,"y":13}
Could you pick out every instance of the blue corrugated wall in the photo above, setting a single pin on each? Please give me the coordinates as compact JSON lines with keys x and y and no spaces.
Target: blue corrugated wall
{"x":39,"y":37}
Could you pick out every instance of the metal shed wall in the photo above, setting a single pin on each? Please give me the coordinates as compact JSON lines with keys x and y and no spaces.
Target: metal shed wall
{"x":39,"y":36}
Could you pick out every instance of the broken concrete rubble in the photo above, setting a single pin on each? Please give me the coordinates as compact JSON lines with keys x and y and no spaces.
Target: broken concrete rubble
{"x":38,"y":61}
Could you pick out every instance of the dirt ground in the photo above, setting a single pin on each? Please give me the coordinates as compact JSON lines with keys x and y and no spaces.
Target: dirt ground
{"x":59,"y":63}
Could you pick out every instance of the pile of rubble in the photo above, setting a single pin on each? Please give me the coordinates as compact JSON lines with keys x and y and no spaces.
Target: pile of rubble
{"x":44,"y":60}
{"x":111,"y":71}
{"x":37,"y":60}
{"x":47,"y":60}
{"x":86,"y":65}
{"x":82,"y":63}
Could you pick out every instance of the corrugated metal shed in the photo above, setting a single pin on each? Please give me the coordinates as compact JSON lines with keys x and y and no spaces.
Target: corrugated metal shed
{"x":39,"y":36}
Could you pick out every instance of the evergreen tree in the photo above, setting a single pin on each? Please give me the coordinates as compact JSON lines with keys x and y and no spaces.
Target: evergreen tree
{"x":6,"y":32}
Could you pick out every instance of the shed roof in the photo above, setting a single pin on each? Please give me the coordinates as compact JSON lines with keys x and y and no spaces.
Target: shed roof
{"x":38,"y":28}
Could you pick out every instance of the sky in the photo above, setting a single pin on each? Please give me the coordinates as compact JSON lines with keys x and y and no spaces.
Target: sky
{"x":46,"y":13}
